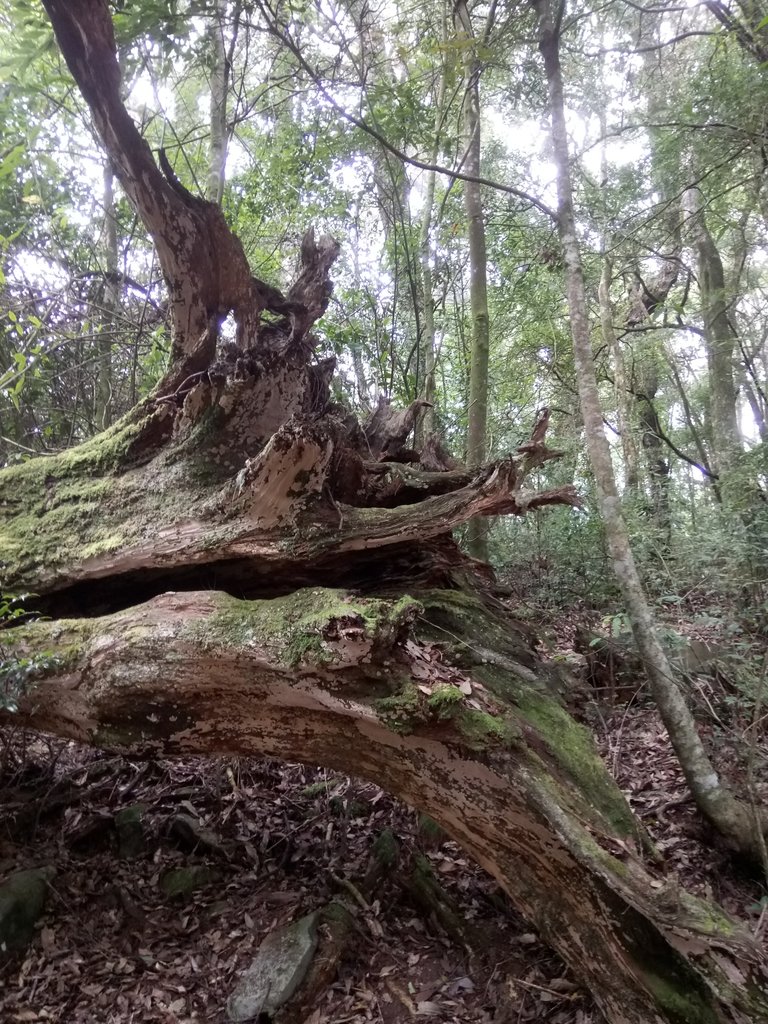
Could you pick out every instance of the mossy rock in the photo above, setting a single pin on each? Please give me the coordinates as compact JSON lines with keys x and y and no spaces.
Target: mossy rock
{"x":22,"y":898}
{"x":278,"y":969}
{"x":129,"y":824}
{"x":342,"y":807}
{"x":320,"y":788}
{"x":430,"y":833}
{"x":179,"y":883}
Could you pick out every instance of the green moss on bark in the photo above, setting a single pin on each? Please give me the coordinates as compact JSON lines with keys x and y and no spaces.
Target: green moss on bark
{"x":482,"y":730}
{"x":571,"y":747}
{"x":307,"y":627}
{"x":683,"y":1003}
{"x":445,"y":701}
{"x":53,"y":505}
{"x":469,"y":630}
{"x":402,"y":711}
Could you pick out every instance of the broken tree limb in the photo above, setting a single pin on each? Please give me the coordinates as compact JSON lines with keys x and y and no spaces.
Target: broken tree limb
{"x":242,"y":474}
{"x":302,"y":678}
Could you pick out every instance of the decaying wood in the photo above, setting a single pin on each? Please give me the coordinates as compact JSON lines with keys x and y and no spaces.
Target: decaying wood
{"x":302,"y":678}
{"x":241,"y":474}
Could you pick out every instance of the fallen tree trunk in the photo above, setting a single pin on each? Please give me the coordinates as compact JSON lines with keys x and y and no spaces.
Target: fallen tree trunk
{"x":330,"y":679}
{"x":183,"y":560}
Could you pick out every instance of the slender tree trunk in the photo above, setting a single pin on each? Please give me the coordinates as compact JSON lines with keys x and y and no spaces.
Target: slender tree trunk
{"x":620,"y":383}
{"x":712,"y":798}
{"x":693,"y":423}
{"x":755,"y":405}
{"x":391,"y":187}
{"x":657,"y":466}
{"x":217,"y":154}
{"x":720,"y":339}
{"x":621,"y":389}
{"x":427,"y":390}
{"x":109,"y":305}
{"x":477,"y":415}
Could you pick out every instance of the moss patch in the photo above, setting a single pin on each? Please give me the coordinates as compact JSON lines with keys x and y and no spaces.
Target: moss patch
{"x":572,"y":748}
{"x":53,"y":506}
{"x":386,"y":849}
{"x":308,"y":627}
{"x":445,"y":701}
{"x":684,"y":1004}
{"x":481,"y":730}
{"x":468,"y":630}
{"x":402,"y":711}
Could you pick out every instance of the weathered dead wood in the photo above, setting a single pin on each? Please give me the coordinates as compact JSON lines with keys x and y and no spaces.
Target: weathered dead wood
{"x":387,"y":428}
{"x":242,"y":463}
{"x":203,"y":262}
{"x":301,"y":502}
{"x":202,"y":673}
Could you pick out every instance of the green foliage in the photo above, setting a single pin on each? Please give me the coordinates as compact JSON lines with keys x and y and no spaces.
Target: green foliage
{"x":644,"y":129}
{"x":18,"y":672}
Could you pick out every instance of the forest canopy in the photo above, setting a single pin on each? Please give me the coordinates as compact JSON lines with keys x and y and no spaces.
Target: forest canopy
{"x":384,"y":388}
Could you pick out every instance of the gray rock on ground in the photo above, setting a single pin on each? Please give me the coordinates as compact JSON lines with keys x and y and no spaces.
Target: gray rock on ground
{"x":280,"y":966}
{"x":22,"y":898}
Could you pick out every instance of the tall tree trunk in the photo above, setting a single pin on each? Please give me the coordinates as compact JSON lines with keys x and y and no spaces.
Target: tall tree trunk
{"x":428,"y":355}
{"x":693,"y":423}
{"x":110,"y":301}
{"x":620,"y":383}
{"x":730,"y":817}
{"x":720,"y":340}
{"x":477,"y":414}
{"x":654,"y":448}
{"x":391,"y":186}
{"x":219,"y":72}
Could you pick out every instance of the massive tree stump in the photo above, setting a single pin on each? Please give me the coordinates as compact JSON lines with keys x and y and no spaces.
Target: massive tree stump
{"x":239,"y":566}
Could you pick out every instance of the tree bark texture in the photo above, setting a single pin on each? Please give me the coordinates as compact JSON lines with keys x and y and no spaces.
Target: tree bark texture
{"x":219,"y":77}
{"x":477,"y":414}
{"x":621,"y":388}
{"x":183,"y":559}
{"x":427,"y":368}
{"x":357,"y":684}
{"x":725,"y":437}
{"x":657,"y":466}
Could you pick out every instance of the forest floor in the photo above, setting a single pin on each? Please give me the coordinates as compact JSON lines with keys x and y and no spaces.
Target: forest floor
{"x":279,"y":842}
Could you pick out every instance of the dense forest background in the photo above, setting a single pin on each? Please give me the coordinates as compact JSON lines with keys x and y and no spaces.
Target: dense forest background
{"x":330,"y":115}
{"x":420,"y":136}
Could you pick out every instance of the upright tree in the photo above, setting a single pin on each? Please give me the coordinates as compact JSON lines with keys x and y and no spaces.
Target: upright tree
{"x":240,"y":470}
{"x":477,"y":413}
{"x":713,"y":798}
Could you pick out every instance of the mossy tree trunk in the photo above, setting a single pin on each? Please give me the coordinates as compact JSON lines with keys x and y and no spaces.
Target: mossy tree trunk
{"x":183,"y":559}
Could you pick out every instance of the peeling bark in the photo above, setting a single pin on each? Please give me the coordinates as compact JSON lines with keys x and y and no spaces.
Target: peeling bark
{"x":241,"y":474}
{"x":496,"y":762}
